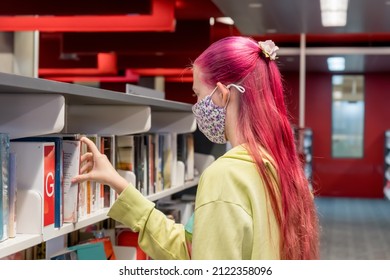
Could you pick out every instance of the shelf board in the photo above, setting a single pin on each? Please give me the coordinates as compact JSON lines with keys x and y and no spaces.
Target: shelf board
{"x":84,"y":95}
{"x":170,"y":191}
{"x":90,"y":219}
{"x":19,"y":243}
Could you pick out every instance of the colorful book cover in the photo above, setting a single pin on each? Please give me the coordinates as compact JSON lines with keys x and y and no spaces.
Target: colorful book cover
{"x":49,"y":182}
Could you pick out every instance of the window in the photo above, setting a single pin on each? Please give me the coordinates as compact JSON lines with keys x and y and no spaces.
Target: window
{"x":347,"y":116}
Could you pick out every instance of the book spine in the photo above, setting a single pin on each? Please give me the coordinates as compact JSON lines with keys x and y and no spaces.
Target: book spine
{"x":12,"y":195}
{"x":4,"y":195}
{"x":58,"y":191}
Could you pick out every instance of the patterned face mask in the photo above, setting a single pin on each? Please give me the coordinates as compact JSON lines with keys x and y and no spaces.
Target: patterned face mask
{"x":211,"y":118}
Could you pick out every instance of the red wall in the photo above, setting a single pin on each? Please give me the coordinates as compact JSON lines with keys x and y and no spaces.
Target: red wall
{"x":344,"y":177}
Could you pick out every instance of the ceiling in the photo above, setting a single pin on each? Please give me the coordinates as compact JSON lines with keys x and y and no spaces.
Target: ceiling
{"x":304,"y":16}
{"x":125,"y":41}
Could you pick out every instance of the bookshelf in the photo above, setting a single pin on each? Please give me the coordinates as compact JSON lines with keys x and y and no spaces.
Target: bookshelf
{"x":34,"y":107}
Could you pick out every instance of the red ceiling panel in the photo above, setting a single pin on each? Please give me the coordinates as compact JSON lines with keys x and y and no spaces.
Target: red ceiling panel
{"x":75,"y":7}
{"x":188,"y":36}
{"x":161,"y":19}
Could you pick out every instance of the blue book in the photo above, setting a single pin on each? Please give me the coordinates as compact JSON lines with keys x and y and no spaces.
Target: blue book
{"x":4,"y":198}
{"x":58,"y":176}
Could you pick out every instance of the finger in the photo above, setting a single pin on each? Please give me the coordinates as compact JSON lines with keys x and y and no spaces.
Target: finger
{"x":86,"y":167}
{"x":81,"y":178}
{"x":86,"y":156}
{"x":91,"y":146}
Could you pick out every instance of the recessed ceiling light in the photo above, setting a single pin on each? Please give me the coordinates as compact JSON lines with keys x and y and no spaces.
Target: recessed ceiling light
{"x":334,"y":18}
{"x":334,"y":12}
{"x":255,"y":5}
{"x":334,"y":5}
{"x":336,"y":63}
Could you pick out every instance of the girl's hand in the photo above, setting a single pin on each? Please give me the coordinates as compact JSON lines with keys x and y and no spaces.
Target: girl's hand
{"x":95,"y":166}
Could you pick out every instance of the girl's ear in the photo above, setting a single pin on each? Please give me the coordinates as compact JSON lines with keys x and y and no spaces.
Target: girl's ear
{"x":223,"y":93}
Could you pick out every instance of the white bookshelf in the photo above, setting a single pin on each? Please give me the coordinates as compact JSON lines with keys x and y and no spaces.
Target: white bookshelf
{"x":33,"y":107}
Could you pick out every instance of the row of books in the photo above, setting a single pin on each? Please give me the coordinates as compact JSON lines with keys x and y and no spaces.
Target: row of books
{"x":158,"y":161}
{"x":46,"y":197}
{"x":41,"y":169}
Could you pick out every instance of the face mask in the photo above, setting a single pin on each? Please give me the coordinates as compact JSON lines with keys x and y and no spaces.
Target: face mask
{"x":211,"y":118}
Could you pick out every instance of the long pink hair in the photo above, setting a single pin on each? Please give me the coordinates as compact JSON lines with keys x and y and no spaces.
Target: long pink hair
{"x":263,"y":120}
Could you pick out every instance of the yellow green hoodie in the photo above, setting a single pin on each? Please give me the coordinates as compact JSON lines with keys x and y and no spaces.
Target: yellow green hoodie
{"x":233,"y":218}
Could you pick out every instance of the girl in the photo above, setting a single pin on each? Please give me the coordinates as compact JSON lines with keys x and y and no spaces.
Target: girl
{"x":254,"y":201}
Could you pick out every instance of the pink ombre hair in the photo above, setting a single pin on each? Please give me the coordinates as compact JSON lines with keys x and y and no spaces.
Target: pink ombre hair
{"x":263,"y":120}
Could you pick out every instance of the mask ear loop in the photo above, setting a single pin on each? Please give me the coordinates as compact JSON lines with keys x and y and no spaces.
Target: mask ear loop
{"x":241,"y":89}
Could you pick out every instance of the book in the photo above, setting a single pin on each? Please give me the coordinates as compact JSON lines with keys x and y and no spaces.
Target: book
{"x":36,"y":173}
{"x":128,"y":238}
{"x":12,"y":195}
{"x":108,"y":148}
{"x":167,"y":157}
{"x":124,"y":152}
{"x":90,"y":251}
{"x":58,"y":184}
{"x":65,"y":254}
{"x":190,"y":158}
{"x":4,"y":188}
{"x":71,"y":168}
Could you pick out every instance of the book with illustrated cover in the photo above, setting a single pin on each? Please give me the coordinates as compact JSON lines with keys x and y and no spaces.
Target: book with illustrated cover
{"x":4,"y":187}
